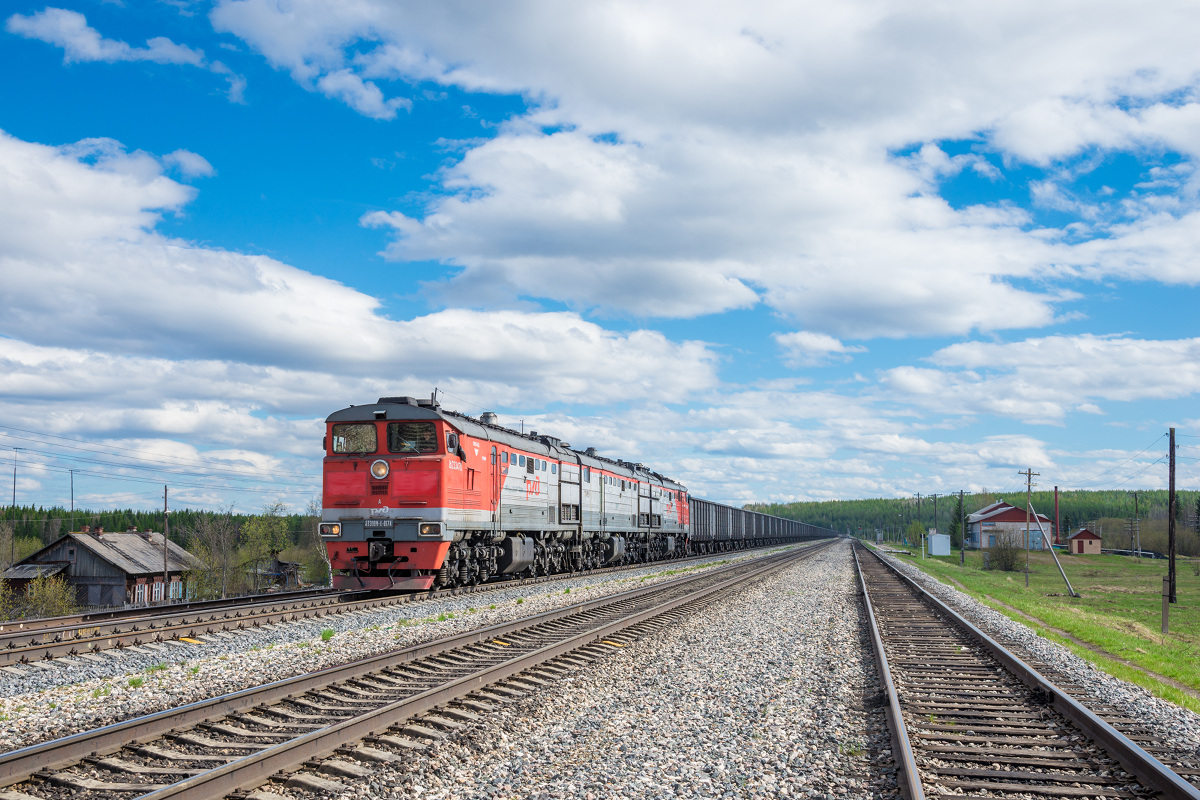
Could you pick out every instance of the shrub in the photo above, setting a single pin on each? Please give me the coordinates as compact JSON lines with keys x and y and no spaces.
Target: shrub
{"x":50,"y":597}
{"x":1007,"y":554}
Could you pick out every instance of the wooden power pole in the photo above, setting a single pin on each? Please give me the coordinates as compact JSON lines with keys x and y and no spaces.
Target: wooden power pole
{"x":1029,"y":476}
{"x":1171,"y":514}
{"x":166,"y":530}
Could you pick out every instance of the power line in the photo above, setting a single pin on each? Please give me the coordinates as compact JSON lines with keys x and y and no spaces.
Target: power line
{"x":143,"y":455}
{"x":1139,"y":472}
{"x":155,"y":470}
{"x":157,"y":482}
{"x":1085,"y":484}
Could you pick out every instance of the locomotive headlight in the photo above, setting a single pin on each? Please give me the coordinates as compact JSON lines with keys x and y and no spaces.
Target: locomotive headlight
{"x":331,"y":529}
{"x":431,"y":529}
{"x":379,"y":469}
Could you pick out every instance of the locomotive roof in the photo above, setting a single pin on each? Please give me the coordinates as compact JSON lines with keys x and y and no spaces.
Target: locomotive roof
{"x":409,"y":408}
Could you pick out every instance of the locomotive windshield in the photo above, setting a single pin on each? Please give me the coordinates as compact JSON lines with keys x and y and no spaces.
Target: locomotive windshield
{"x":356,"y":437}
{"x":412,"y":437}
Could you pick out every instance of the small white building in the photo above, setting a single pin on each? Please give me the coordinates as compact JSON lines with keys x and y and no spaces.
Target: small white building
{"x":1001,"y":519}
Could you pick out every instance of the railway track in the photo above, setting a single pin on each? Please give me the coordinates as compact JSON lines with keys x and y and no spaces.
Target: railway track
{"x":970,"y":719}
{"x":96,"y":617}
{"x":74,"y":637}
{"x":316,"y":730}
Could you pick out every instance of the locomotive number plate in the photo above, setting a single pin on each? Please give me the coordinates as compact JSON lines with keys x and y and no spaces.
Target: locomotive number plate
{"x":377,"y":523}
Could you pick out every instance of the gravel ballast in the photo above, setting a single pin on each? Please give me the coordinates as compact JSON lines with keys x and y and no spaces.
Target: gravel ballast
{"x":770,"y":692}
{"x":61,"y":699}
{"x":1166,"y":721}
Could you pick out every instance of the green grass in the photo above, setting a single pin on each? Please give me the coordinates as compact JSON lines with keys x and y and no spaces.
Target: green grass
{"x":327,"y":634}
{"x":135,"y":682}
{"x":153,"y":668}
{"x":1119,"y":611}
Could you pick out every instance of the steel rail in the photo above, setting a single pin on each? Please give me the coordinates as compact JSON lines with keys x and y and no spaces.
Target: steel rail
{"x":19,"y":765}
{"x":254,"y":769}
{"x":71,"y":640}
{"x":906,"y":763}
{"x":1145,"y":767}
{"x":17,"y":626}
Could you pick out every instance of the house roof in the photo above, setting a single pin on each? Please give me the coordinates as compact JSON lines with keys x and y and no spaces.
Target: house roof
{"x":132,"y":553}
{"x":27,"y":572}
{"x":1083,"y":533}
{"x":1003,"y":511}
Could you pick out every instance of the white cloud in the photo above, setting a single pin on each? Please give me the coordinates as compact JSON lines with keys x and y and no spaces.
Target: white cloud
{"x":1042,"y":380}
{"x":80,"y":42}
{"x":731,"y":155}
{"x":87,"y":229}
{"x":809,"y":349}
{"x":363,"y":96}
{"x":189,"y":164}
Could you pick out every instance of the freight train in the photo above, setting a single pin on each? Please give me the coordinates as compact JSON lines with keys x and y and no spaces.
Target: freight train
{"x":415,"y":498}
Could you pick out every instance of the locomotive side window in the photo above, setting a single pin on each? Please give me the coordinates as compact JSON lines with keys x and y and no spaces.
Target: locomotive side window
{"x":412,"y":437}
{"x":554,"y":469}
{"x":355,"y":437}
{"x":587,"y":474}
{"x":520,"y":461}
{"x":504,"y":456}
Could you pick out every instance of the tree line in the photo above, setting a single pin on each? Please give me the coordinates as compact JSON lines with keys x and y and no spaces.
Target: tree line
{"x":1107,"y":510}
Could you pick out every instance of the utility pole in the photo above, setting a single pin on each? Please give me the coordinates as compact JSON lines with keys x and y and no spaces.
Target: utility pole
{"x":166,"y":530}
{"x":1057,"y":520}
{"x":71,"y":527}
{"x":935,"y":525}
{"x":962,"y":529}
{"x":1029,"y":475}
{"x":1171,"y":515}
{"x":12,"y":546}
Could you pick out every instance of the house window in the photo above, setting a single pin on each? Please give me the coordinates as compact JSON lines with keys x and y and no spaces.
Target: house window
{"x":176,"y":590}
{"x":991,"y":540}
{"x":139,"y":593}
{"x":158,"y":591}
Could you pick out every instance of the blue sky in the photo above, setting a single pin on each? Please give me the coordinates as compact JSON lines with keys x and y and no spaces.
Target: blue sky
{"x":777,"y":251}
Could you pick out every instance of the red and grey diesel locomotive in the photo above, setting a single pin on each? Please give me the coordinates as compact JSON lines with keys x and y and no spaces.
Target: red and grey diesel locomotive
{"x":417,"y":498}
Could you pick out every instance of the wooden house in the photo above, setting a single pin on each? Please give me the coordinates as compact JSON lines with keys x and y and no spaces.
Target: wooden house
{"x":109,"y":569}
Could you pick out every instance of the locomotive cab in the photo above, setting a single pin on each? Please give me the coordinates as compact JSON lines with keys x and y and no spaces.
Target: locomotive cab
{"x":384,"y":510}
